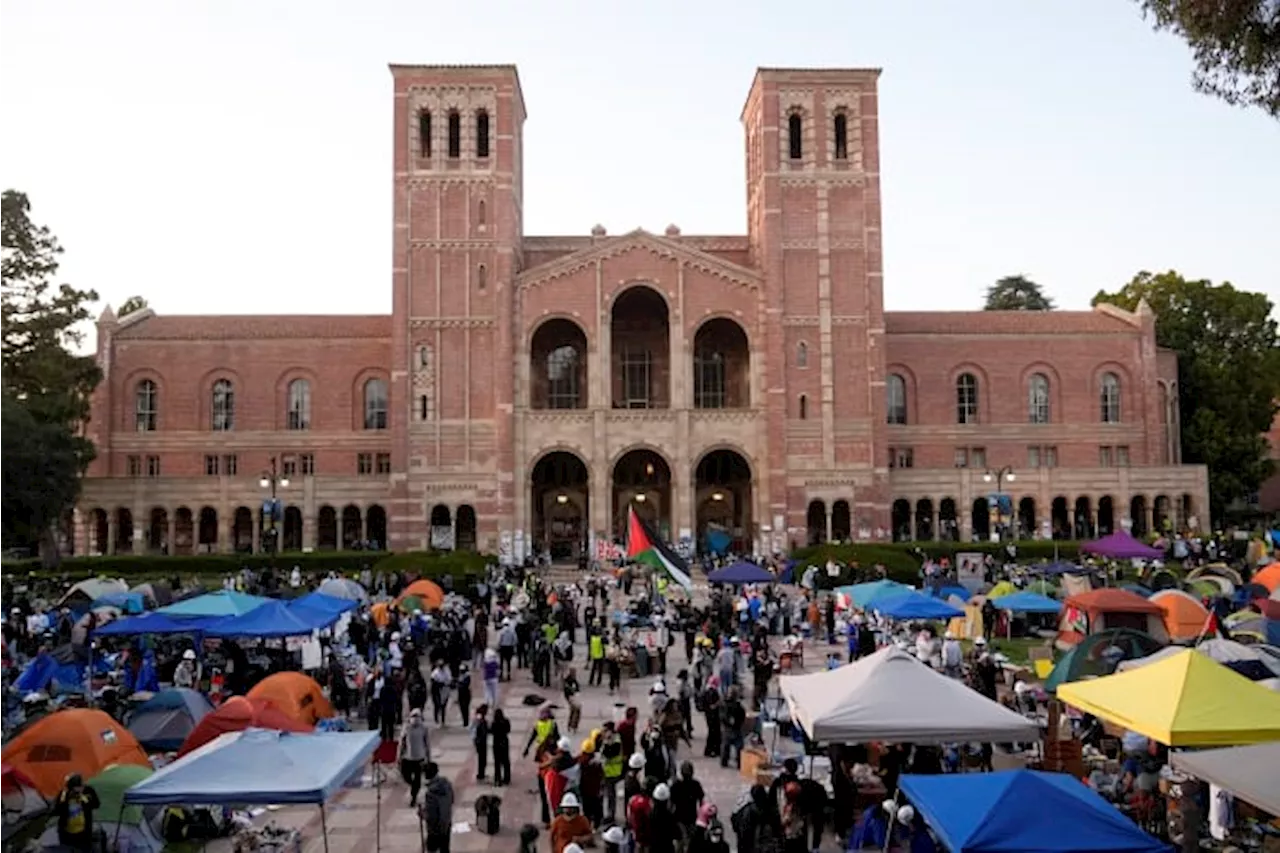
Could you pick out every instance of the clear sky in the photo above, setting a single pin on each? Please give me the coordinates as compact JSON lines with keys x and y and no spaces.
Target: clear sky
{"x":234,"y":156}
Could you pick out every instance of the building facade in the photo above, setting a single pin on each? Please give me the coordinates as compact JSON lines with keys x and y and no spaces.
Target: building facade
{"x":530,"y":389}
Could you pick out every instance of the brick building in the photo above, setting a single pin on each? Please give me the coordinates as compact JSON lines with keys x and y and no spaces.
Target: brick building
{"x":531,"y":388}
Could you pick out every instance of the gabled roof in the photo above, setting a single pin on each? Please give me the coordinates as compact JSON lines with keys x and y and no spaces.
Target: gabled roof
{"x":639,"y":239}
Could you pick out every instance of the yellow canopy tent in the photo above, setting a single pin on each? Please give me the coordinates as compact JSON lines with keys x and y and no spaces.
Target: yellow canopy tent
{"x":1187,"y":699}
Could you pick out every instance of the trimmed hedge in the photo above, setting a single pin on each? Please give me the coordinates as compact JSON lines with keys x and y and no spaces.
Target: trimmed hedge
{"x":159,"y":566}
{"x":435,"y":564}
{"x":902,"y":560}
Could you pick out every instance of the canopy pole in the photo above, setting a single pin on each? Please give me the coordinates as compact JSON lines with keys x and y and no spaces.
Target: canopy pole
{"x":377,"y":786}
{"x":324,"y":828}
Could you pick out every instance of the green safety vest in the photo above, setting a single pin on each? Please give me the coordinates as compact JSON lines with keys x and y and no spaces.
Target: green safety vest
{"x":662,"y":586}
{"x":597,"y":647}
{"x":544,"y":729}
{"x":551,"y":631}
{"x":613,"y":766}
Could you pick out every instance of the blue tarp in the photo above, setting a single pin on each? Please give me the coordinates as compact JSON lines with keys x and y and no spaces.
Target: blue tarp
{"x":322,"y":603}
{"x":53,"y":675}
{"x":129,"y":602}
{"x":154,"y":622}
{"x":912,"y":605}
{"x":273,"y":619}
{"x":224,"y":602}
{"x":742,"y":572}
{"x":259,"y":767}
{"x":1060,"y":568}
{"x":861,"y":593}
{"x":1027,"y":602}
{"x":1023,"y":810}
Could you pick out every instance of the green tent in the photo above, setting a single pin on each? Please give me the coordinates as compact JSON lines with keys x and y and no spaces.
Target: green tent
{"x":1086,"y":660}
{"x":111,"y":784}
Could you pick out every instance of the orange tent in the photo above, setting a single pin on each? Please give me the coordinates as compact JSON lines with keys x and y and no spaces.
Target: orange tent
{"x":1269,"y":577}
{"x":380,"y":613}
{"x":1184,"y":617}
{"x":1102,"y":609}
{"x":237,"y":714}
{"x":78,"y":740}
{"x":429,"y":591}
{"x":297,"y":695}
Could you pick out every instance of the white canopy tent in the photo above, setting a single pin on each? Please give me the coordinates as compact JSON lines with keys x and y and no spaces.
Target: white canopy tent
{"x":1248,"y":772}
{"x":891,"y":696}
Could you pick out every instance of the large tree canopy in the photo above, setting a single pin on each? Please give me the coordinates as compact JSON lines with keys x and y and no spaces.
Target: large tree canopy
{"x":46,"y":384}
{"x":1236,"y":44}
{"x":1228,"y":374}
{"x":1016,"y":293}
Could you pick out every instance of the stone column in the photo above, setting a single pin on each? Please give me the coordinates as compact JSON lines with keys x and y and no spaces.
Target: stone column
{"x":256,"y":545}
{"x":225,"y":517}
{"x":112,"y":528}
{"x":171,"y":529}
{"x":934,"y":520}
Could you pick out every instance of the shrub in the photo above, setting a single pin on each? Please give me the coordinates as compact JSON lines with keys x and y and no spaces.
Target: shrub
{"x":462,"y":565}
{"x":902,"y":560}
{"x":151,"y":565}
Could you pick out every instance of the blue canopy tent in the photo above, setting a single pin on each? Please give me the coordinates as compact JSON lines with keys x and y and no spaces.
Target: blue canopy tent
{"x":945,"y":592}
{"x":323,"y":603}
{"x":912,"y":605}
{"x":128,"y":602}
{"x":861,"y":593}
{"x":1027,"y":602}
{"x":742,"y":572}
{"x":1023,"y":810}
{"x":261,"y":767}
{"x":64,"y":670}
{"x":154,"y":622}
{"x":224,"y":602}
{"x":273,"y":619}
{"x":163,"y":722}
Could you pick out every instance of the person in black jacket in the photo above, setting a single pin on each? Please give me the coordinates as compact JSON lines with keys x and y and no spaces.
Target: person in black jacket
{"x":500,"y":732}
{"x":74,"y":808}
{"x":480,"y":739}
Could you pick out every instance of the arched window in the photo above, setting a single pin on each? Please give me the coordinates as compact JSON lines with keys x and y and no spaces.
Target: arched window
{"x":966,"y":399}
{"x":146,"y":400}
{"x":298,"y":414}
{"x":455,"y":134}
{"x":1038,"y":399}
{"x":482,"y":277}
{"x":804,"y":407}
{"x":482,"y":134}
{"x":562,"y":378}
{"x":895,"y":392}
{"x":795,"y":140}
{"x":1109,"y":398}
{"x":840,"y":127}
{"x":424,"y":133}
{"x":802,"y":354}
{"x":481,"y":219}
{"x":375,"y":404}
{"x":709,"y":379}
{"x":222,"y":409}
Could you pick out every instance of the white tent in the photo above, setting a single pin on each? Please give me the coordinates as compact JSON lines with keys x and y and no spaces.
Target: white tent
{"x":892,"y":696}
{"x":1223,"y":651}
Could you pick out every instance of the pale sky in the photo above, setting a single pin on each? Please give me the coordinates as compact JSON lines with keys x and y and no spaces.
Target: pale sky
{"x":235,"y":156}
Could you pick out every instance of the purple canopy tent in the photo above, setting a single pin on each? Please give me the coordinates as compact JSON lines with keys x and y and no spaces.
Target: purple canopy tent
{"x":1121,"y":546}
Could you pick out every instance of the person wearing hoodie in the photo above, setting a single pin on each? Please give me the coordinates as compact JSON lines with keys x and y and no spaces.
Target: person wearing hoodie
{"x":437,"y":809}
{"x":664,"y":832}
{"x":415,"y":751}
{"x":500,"y":733}
{"x":491,"y":670}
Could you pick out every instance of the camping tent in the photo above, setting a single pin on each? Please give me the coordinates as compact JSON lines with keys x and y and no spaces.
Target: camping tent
{"x":1249,"y":661}
{"x":892,"y":696}
{"x":237,"y":714}
{"x":1023,"y":810}
{"x":77,"y":740}
{"x":1090,"y":658}
{"x":155,"y":592}
{"x":155,"y":622}
{"x":131,"y":828}
{"x":1101,"y":609}
{"x":344,"y":588}
{"x":224,"y":602}
{"x":322,"y":603}
{"x":1247,"y":772}
{"x":1186,"y":699}
{"x":861,"y":593}
{"x":742,"y":572}
{"x":427,"y":591}
{"x":296,"y":694}
{"x":19,"y":795}
{"x":165,"y":720}
{"x":124,"y":600}
{"x":1121,"y":546}
{"x":1027,"y":602}
{"x":1184,"y":617}
{"x":911,"y":604}
{"x":259,"y":767}
{"x":91,"y":589}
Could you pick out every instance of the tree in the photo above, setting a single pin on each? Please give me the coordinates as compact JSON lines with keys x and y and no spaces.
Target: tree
{"x":45,"y":383}
{"x":1236,"y":46}
{"x":1228,"y":374}
{"x":1017,"y":293}
{"x":133,"y":303}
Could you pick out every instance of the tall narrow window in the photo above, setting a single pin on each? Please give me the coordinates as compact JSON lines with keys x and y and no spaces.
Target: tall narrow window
{"x":841,"y":128}
{"x":424,"y":133}
{"x":795,"y":127}
{"x":895,"y":392}
{"x":146,"y":400}
{"x":804,"y":407}
{"x":562,"y":378}
{"x":298,"y":415}
{"x":1038,"y":399}
{"x":967,"y":399}
{"x":424,"y":408}
{"x":481,"y":217}
{"x":708,"y":379}
{"x":482,"y":277}
{"x":802,"y":354}
{"x":375,"y":404}
{"x":1109,"y":398}
{"x":482,"y":134}
{"x":455,"y":134}
{"x":637,"y":365}
{"x":222,"y":409}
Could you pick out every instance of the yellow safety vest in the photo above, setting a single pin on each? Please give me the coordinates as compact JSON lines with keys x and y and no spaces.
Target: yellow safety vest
{"x":612,"y":766}
{"x":597,"y":647}
{"x":543,"y":728}
{"x":662,"y":586}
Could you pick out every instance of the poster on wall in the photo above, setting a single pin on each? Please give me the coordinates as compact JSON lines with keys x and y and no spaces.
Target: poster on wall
{"x":518,"y":546}
{"x":969,"y":571}
{"x":442,"y":538}
{"x":506,"y":551}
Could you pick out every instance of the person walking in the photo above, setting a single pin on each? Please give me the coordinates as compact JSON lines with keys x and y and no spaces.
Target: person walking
{"x":492,"y":670}
{"x":415,"y":750}
{"x":437,"y":809}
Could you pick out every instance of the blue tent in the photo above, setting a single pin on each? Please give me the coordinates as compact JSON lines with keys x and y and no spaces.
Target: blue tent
{"x":1027,"y":602}
{"x":224,"y":602}
{"x":321,"y":603}
{"x":861,"y":593}
{"x":154,"y":622}
{"x":259,"y":767}
{"x":60,"y":672}
{"x":912,"y":605}
{"x":1060,"y":568}
{"x":129,"y":602}
{"x":163,"y":722}
{"x":945,"y":592}
{"x":1023,"y":810}
{"x":273,"y":619}
{"x":742,"y":572}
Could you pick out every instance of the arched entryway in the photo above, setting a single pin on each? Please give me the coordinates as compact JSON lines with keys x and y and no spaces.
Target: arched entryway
{"x":558,"y":366}
{"x":291,"y":540}
{"x":1138,"y":516}
{"x":721,"y":366}
{"x":100,"y":541}
{"x":841,"y":521}
{"x":465,"y":529}
{"x":1082,"y":523}
{"x":327,"y":529}
{"x":124,"y":531}
{"x":816,"y":522}
{"x":980,"y":518}
{"x":1106,"y":515}
{"x":158,"y":531}
{"x":441,"y":523}
{"x":375,"y":527}
{"x":640,"y":357}
{"x":207,"y":535}
{"x":352,"y":527}
{"x":184,"y":530}
{"x":642,"y":480}
{"x":948,"y":522}
{"x":924,"y":520}
{"x":1161,"y":519}
{"x":1186,"y":511}
{"x":242,"y":530}
{"x":1060,"y":519}
{"x":1027,"y":518}
{"x":901,"y":520}
{"x":560,"y":489}
{"x":723,"y":502}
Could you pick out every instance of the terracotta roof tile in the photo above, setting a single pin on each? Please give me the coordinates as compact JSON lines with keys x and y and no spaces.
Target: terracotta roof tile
{"x":257,"y":327}
{"x":1003,"y":323}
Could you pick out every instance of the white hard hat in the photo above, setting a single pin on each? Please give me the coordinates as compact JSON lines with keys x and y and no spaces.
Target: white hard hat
{"x":188,"y":655}
{"x":948,"y":636}
{"x":572,"y":848}
{"x":564,"y":744}
{"x":1020,"y":687}
{"x":659,"y":686}
{"x":614,"y":835}
{"x":636,"y":761}
{"x":889,"y":806}
{"x":906,"y":814}
{"x":395,"y":635}
{"x":980,"y":641}
{"x":662,"y":793}
{"x":570,"y":801}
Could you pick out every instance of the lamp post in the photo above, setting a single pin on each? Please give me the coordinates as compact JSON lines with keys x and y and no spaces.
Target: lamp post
{"x":1003,"y":475}
{"x":270,"y":513}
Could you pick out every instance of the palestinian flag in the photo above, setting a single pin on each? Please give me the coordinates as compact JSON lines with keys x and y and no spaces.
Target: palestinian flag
{"x":644,"y":546}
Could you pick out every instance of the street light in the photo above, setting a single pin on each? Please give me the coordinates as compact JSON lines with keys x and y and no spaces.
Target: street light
{"x":1000,"y":477}
{"x":270,"y":513}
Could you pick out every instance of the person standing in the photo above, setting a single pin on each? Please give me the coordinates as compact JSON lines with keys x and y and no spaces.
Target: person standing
{"x":571,"y":690}
{"x":491,"y":671}
{"x":74,"y":808}
{"x":480,"y":739}
{"x":437,"y":809}
{"x":415,"y":750}
{"x":463,"y":684}
{"x":500,"y":733}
